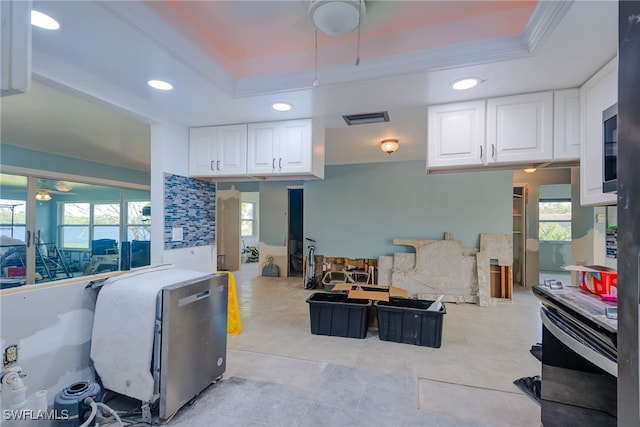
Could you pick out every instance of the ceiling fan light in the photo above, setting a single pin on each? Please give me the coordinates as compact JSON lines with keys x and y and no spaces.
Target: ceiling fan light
{"x":466,"y":83}
{"x":43,"y":196}
{"x":336,"y":17}
{"x":62,"y":186}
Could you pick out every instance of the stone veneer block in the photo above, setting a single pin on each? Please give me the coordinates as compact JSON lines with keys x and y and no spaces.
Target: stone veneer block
{"x":441,"y":268}
{"x":492,"y":246}
{"x":404,"y":261}
{"x":385,"y":265}
{"x":484,"y":273}
{"x":444,"y":267}
{"x":498,"y":246}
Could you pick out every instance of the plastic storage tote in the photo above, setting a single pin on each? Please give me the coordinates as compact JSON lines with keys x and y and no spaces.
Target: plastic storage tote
{"x":408,"y":321}
{"x":336,"y":315}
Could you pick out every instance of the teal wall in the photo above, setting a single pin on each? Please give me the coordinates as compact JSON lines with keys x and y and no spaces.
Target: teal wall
{"x":21,"y":157}
{"x":357,"y":210}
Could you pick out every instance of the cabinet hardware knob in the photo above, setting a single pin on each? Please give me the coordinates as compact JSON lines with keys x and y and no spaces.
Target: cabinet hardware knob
{"x":273,"y":163}
{"x":481,"y":152}
{"x":280,"y":163}
{"x":212,"y":166}
{"x":493,"y":151}
{"x":218,"y":165}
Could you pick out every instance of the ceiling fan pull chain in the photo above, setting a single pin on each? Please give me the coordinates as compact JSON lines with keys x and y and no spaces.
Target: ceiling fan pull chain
{"x":359,"y":22}
{"x":315,"y":81}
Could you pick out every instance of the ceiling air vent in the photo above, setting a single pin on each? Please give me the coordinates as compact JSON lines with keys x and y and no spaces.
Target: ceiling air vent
{"x":366,"y":118}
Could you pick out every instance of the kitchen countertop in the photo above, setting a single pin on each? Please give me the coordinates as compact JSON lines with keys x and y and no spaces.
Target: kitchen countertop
{"x":583,"y":302}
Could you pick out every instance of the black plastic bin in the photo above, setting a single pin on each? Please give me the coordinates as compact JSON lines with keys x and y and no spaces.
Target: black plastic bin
{"x":336,"y":315}
{"x":408,"y":321}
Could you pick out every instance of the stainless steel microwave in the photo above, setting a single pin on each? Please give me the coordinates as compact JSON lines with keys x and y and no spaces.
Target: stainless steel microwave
{"x":610,"y":149}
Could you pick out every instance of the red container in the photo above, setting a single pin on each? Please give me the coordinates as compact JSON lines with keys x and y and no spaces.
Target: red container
{"x":599,"y":282}
{"x":597,"y":279}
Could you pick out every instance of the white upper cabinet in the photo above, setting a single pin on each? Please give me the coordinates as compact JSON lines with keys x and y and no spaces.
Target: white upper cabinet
{"x":456,"y":134}
{"x":294,"y":147}
{"x":566,"y":124}
{"x":596,"y":95}
{"x":218,"y":151}
{"x":520,"y":128}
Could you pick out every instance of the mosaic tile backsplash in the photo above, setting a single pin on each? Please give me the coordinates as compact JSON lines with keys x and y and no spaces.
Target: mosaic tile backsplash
{"x":191,"y":204}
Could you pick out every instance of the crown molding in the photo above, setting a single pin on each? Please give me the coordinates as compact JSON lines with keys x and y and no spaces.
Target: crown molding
{"x":543,"y":21}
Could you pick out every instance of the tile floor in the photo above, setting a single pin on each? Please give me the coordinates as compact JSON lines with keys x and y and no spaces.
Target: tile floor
{"x":279,"y":374}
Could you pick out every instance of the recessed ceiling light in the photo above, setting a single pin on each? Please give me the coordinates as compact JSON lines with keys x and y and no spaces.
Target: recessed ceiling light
{"x":466,"y":83}
{"x":41,"y":20}
{"x":160,"y":85}
{"x":281,"y":106}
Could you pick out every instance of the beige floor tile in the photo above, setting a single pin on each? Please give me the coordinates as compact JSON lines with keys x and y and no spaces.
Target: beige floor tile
{"x":481,"y":404}
{"x":486,"y":347}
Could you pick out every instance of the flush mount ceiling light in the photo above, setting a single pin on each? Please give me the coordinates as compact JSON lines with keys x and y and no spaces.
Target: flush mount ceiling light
{"x":281,"y":106}
{"x":389,"y":145}
{"x":530,"y":170}
{"x":336,"y":17}
{"x":43,"y":196}
{"x":41,"y":20}
{"x":160,"y":85}
{"x":466,"y":83}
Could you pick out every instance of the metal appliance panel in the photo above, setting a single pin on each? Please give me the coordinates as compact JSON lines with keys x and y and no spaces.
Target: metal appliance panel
{"x":578,"y":383}
{"x":193,"y":340}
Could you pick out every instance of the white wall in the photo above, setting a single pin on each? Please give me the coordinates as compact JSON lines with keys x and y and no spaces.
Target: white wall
{"x":170,"y":154}
{"x":52,"y":327}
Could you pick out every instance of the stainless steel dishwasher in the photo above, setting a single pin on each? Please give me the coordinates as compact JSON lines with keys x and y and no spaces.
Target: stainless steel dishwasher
{"x":190,"y":347}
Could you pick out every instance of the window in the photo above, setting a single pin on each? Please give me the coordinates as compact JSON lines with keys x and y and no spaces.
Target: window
{"x":247,"y":225}
{"x":79,"y":227}
{"x":554,"y":220}
{"x":13,"y":219}
{"x":138,"y":220}
{"x":106,"y":221}
{"x":74,"y":230}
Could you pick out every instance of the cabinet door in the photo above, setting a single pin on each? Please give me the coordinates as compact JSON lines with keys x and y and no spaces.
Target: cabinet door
{"x":261,"y":154}
{"x":596,"y":95}
{"x":519,"y":128}
{"x":294,"y":147}
{"x":566,"y":124}
{"x":456,"y":134}
{"x":203,"y":149}
{"x":232,"y":149}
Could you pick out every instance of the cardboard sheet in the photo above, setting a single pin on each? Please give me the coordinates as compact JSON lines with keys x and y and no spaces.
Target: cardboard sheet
{"x":372,"y":292}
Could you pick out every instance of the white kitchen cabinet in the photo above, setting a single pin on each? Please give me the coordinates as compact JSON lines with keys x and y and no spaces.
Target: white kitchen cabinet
{"x":597,"y":94}
{"x":456,"y":134}
{"x":520,"y":128}
{"x":566,"y":124}
{"x":291,"y":148}
{"x":218,"y":151}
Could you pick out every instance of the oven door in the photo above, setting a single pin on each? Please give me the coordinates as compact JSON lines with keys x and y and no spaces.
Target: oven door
{"x":579,"y":377}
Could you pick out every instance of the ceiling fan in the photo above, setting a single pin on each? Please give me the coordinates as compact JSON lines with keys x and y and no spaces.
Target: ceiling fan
{"x":46,"y":187}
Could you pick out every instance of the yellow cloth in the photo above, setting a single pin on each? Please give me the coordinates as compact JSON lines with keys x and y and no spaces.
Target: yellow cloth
{"x":234,"y":326}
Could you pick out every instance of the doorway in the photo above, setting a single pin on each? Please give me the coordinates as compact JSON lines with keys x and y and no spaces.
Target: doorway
{"x":519,"y":234}
{"x":296,"y":233}
{"x":554,"y":231}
